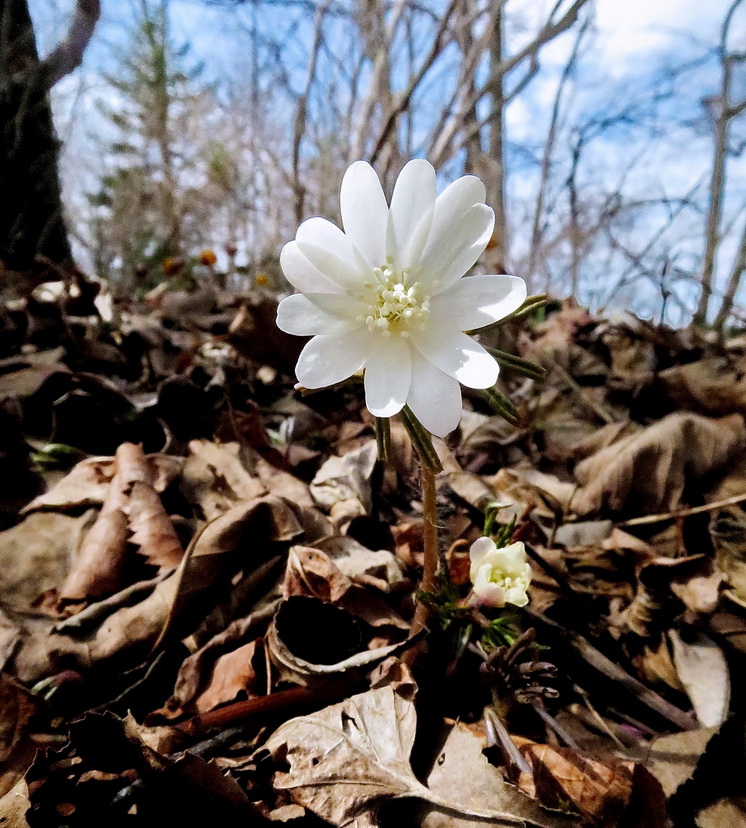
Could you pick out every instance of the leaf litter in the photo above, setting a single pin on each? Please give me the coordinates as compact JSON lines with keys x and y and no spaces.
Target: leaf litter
{"x":207,"y":579}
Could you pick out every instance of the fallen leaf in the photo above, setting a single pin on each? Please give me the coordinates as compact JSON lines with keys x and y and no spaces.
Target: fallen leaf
{"x":238,"y":539}
{"x":648,"y":472}
{"x":710,"y":386}
{"x":88,"y":482}
{"x":99,"y":562}
{"x":348,"y":759}
{"x":462,"y":774}
{"x":233,"y":675}
{"x":17,"y":708}
{"x":13,"y":806}
{"x":346,"y":478}
{"x":598,"y":791}
{"x":152,"y":529}
{"x":215,"y":480}
{"x":704,"y":673}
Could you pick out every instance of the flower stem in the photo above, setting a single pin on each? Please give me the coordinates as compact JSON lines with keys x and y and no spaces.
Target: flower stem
{"x":383,"y":438}
{"x":430,"y":541}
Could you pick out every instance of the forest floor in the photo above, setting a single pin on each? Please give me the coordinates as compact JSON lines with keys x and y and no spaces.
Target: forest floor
{"x":208,"y":580}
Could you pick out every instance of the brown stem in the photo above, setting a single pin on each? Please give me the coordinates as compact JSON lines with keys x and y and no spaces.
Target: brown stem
{"x":430,"y":540}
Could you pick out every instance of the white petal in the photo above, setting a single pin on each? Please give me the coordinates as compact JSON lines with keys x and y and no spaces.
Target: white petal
{"x":301,"y":274}
{"x":435,"y":397}
{"x":327,"y":360}
{"x":456,"y":249}
{"x":492,"y":595}
{"x":412,"y":203}
{"x":454,"y":201}
{"x":364,"y":212}
{"x":458,"y":355}
{"x":318,"y":313}
{"x":480,"y":548}
{"x":388,"y":374}
{"x":475,"y":301}
{"x":331,"y":252}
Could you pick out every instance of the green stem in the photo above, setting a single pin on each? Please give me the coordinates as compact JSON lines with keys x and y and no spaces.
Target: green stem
{"x":383,"y":438}
{"x":421,"y":440}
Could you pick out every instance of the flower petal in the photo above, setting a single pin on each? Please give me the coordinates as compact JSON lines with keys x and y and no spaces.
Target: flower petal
{"x":458,"y":355}
{"x":476,"y":301}
{"x":318,"y":313}
{"x":435,"y":397}
{"x":480,"y":548}
{"x":329,"y":359}
{"x":412,"y":206}
{"x":388,"y":374}
{"x":301,"y":274}
{"x":449,"y":255}
{"x":454,"y":201}
{"x":331,"y":252}
{"x":491,"y":595}
{"x":364,"y":212}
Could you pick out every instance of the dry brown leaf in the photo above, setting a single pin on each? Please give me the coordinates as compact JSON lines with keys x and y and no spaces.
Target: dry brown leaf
{"x":152,"y":529}
{"x":98,"y":565}
{"x":27,"y":381}
{"x":462,"y":774}
{"x":130,"y":632}
{"x":14,"y":805}
{"x":348,"y":759}
{"x":215,"y":479}
{"x":346,"y":478}
{"x":378,"y":568}
{"x":648,"y":472}
{"x":672,"y":759}
{"x":10,"y":635}
{"x":233,"y":674}
{"x":17,"y":707}
{"x":710,"y":386}
{"x":88,"y":483}
{"x":598,"y":791}
{"x":35,"y":556}
{"x":238,"y":539}
{"x":728,"y":532}
{"x":311,"y":572}
{"x":311,"y":643}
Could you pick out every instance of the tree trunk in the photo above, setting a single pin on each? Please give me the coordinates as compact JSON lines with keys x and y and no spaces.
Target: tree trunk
{"x":32,"y":226}
{"x":496,"y":187}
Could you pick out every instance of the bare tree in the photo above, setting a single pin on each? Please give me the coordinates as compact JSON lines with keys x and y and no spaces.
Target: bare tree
{"x":32,"y":227}
{"x":722,"y":110}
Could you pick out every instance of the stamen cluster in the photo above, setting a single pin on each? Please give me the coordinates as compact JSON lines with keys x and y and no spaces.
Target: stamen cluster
{"x":394,"y":306}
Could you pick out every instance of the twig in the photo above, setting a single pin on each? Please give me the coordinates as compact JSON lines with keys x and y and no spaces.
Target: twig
{"x":679,"y":513}
{"x":596,"y":659}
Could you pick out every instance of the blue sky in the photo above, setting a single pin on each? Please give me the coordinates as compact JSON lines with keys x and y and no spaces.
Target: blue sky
{"x":632,"y":41}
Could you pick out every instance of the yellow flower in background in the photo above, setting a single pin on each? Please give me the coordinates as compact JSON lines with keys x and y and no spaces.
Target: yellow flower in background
{"x":207,"y":257}
{"x":387,"y":295}
{"x":499,"y":576}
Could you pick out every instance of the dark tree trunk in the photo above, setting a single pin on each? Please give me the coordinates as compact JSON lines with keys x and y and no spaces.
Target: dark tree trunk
{"x":32,"y":225}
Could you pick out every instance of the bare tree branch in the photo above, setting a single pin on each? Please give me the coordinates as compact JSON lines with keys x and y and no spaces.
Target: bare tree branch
{"x":68,"y":54}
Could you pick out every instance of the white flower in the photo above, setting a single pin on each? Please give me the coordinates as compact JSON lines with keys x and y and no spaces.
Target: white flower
{"x":386,"y":295}
{"x":500,"y":576}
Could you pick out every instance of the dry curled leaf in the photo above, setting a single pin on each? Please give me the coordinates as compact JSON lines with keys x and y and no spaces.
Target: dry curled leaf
{"x":152,"y":529}
{"x":598,"y":791}
{"x":648,"y":472}
{"x":462,"y":774}
{"x":347,"y":760}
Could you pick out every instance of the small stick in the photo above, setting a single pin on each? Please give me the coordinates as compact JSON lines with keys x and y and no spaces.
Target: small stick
{"x":679,"y":513}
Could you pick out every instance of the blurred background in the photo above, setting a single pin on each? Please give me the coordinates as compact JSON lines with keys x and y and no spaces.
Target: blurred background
{"x":610,"y":136}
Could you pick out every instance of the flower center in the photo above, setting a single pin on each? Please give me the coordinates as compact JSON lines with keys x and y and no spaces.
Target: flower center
{"x":394,"y":306}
